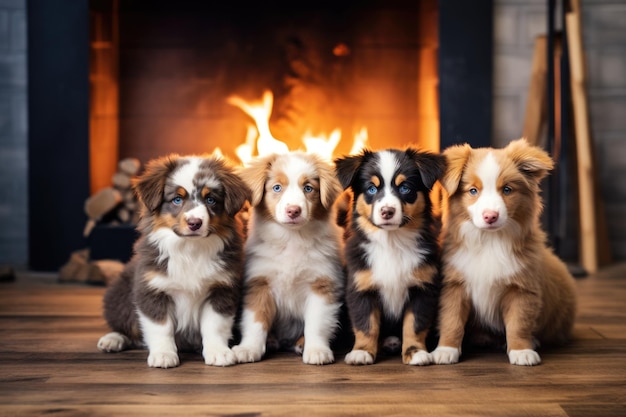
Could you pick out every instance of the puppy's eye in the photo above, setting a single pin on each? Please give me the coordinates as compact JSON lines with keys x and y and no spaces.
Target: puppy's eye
{"x":308,"y":189}
{"x":507,"y":190}
{"x":473,"y":191}
{"x":404,"y":189}
{"x":177,"y":201}
{"x":210,"y":201}
{"x":277,"y":188}
{"x":371,"y":190}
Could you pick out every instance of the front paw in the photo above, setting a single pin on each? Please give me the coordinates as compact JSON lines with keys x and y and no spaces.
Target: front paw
{"x":421,"y":357}
{"x":524,"y":357}
{"x":218,"y":356}
{"x":317,"y":355}
{"x":359,"y":357}
{"x":245,"y":354}
{"x":113,"y":342}
{"x":163,"y":359}
{"x":445,"y":355}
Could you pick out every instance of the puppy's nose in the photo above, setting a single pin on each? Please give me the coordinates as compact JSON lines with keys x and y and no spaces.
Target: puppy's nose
{"x":490,"y":216}
{"x":387,"y":212}
{"x":293,"y":211}
{"x":194,"y":223}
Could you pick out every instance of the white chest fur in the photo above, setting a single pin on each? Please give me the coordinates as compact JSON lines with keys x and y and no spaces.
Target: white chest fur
{"x":192,"y":263}
{"x":292,"y":259}
{"x":487,"y":262}
{"x":393,"y":257}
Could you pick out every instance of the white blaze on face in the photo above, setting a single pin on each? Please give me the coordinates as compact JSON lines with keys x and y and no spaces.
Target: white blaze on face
{"x":293,"y":206}
{"x":198,"y":212}
{"x":489,"y":210}
{"x":389,"y":202}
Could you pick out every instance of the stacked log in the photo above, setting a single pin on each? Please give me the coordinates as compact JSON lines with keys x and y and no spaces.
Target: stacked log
{"x":117,"y":203}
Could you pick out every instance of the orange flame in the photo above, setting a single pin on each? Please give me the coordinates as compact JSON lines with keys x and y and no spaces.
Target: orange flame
{"x":261,"y":138}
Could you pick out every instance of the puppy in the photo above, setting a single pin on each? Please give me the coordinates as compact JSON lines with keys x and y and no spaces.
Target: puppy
{"x":293,"y":270}
{"x":181,"y":289}
{"x":498,"y":273}
{"x":392,"y":253}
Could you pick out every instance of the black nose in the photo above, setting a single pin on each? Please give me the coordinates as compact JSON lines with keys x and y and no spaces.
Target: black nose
{"x":194,"y":223}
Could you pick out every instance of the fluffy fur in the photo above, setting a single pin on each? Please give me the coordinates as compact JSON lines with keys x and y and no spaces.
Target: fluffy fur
{"x":293,"y":269}
{"x":499,"y":275}
{"x":392,"y":253}
{"x":181,"y":289}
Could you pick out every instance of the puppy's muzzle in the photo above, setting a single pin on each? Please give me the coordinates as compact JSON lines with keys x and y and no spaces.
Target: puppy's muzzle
{"x":194,"y":223}
{"x":387,"y":212}
{"x":293,"y":211}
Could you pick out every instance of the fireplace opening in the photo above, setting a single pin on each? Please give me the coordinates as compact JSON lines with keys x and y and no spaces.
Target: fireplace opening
{"x":166,"y":77}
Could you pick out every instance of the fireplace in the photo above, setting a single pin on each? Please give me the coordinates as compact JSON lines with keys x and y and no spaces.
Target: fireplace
{"x":162,"y":77}
{"x":329,"y":67}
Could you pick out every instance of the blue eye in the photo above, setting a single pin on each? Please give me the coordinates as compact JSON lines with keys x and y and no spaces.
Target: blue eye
{"x":177,"y":201}
{"x":308,"y":189}
{"x":473,"y":191}
{"x":371,"y":190}
{"x":277,"y":188}
{"x":507,"y":190}
{"x":210,"y":201}
{"x":404,"y":189}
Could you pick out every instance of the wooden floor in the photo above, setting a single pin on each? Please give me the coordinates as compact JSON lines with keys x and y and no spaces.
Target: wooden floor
{"x":49,"y":365}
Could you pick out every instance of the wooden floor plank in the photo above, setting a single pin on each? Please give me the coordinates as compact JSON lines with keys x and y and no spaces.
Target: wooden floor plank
{"x":50,"y":365}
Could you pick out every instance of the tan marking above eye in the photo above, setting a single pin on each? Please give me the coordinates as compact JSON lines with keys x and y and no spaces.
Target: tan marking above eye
{"x":279,"y":178}
{"x":375,"y":180}
{"x":399,"y":179}
{"x":205,"y":191}
{"x":181,"y":192}
{"x":313,"y":182}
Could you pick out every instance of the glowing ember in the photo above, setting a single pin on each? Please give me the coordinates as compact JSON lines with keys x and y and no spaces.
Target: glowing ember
{"x":265,"y":143}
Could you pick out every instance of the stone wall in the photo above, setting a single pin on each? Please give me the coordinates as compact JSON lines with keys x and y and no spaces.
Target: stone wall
{"x":517,"y":23}
{"x":13,"y":134}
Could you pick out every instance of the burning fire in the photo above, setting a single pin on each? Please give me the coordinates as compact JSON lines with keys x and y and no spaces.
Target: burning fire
{"x":261,"y":138}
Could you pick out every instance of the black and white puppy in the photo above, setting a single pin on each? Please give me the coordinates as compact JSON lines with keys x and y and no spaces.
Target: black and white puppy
{"x":392,"y":253}
{"x":181,"y":290}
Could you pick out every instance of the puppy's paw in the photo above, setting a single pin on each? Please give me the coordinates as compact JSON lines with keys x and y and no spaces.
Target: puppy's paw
{"x":218,"y":356}
{"x":445,"y":355}
{"x":359,"y":357}
{"x":113,"y":342}
{"x":421,"y":357}
{"x":245,"y":354}
{"x":524,"y":357}
{"x":321,"y":355}
{"x":163,"y":359}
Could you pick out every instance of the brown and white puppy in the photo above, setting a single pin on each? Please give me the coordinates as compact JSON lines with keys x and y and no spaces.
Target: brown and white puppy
{"x":293,"y":269}
{"x":181,"y":290}
{"x":392,"y":253}
{"x":499,"y":275}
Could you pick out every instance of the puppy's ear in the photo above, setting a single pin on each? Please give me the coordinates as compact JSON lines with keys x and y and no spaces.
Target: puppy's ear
{"x":236,"y":191}
{"x":431,"y":166}
{"x":330,"y":188}
{"x":532,"y":161}
{"x":347,"y":166}
{"x":149,"y":185}
{"x":255,"y":175}
{"x":456,"y":157}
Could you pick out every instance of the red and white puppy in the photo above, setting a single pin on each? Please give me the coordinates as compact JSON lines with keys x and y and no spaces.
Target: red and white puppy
{"x":293,"y":269}
{"x":499,"y":275}
{"x":181,"y":289}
